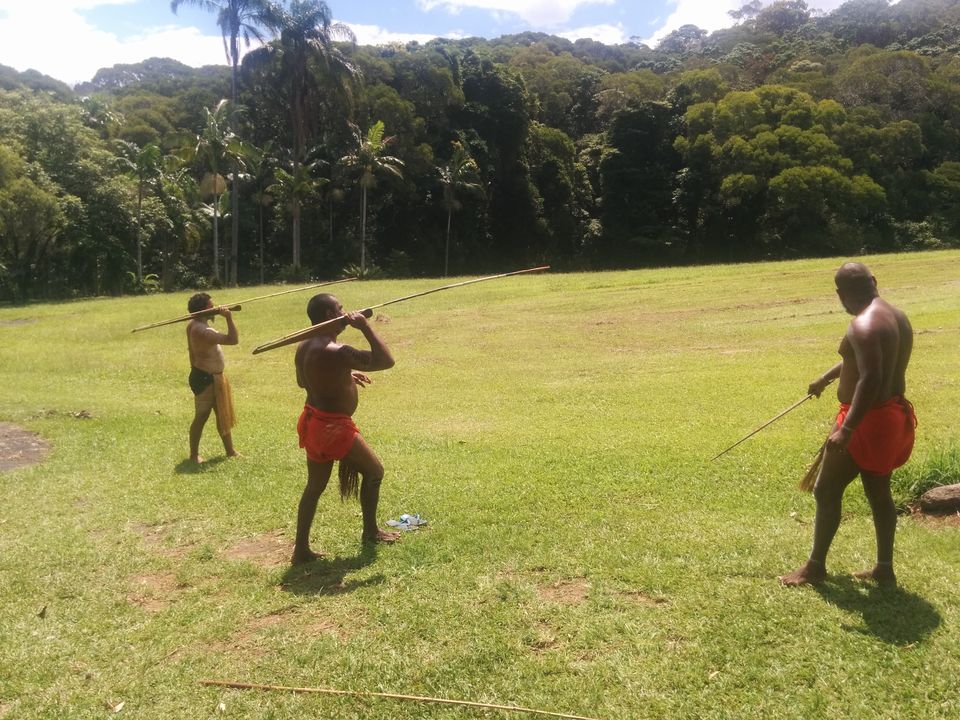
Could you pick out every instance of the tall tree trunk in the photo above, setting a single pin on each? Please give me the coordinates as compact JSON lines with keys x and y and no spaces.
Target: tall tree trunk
{"x":234,"y":183}
{"x":260,"y":206}
{"x":139,"y":238}
{"x":296,"y":232}
{"x":363,"y":231}
{"x":216,"y":238}
{"x":446,"y":254}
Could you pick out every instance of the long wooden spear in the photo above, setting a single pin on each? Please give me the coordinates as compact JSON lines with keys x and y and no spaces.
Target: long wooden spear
{"x":768,"y":422}
{"x":391,"y":696}
{"x":189,"y":316}
{"x":236,"y":306}
{"x":320,"y":328}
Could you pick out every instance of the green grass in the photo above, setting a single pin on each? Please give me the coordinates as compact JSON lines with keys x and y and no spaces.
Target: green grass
{"x":583,"y":554}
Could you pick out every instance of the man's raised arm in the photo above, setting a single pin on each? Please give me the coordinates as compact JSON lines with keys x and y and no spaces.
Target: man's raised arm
{"x":378,"y":357}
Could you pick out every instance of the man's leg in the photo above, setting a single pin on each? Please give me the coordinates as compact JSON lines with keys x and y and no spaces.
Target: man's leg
{"x":196,"y":430}
{"x":362,"y":457}
{"x":877,"y":489}
{"x":837,"y":471}
{"x":318,"y":474}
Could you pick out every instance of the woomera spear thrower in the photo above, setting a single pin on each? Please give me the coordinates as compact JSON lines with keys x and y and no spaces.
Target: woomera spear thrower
{"x":768,"y":422}
{"x":235,"y":306}
{"x":320,"y":328}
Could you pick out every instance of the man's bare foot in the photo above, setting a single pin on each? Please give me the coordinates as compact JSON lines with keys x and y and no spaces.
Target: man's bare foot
{"x":382,"y":536}
{"x":811,"y":573}
{"x":302,"y":557}
{"x":196,"y":459}
{"x":882,"y":574}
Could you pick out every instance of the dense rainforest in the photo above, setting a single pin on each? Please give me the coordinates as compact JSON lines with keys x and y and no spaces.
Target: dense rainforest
{"x":791,"y":133}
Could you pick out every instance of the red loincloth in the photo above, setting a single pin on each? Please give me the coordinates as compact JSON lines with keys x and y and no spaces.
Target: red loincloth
{"x":883,"y":441}
{"x":325,"y":436}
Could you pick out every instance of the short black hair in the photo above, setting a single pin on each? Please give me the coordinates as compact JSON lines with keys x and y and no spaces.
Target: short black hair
{"x":855,"y":279}
{"x":320,"y":307}
{"x":198,"y":302}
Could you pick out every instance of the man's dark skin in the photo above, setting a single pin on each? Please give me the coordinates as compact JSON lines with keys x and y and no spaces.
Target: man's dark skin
{"x":327,"y":371}
{"x":875,"y":352}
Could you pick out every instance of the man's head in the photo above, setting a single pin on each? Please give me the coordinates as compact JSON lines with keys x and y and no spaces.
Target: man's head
{"x":323,"y":307}
{"x":856,"y":286}
{"x":200,"y":301}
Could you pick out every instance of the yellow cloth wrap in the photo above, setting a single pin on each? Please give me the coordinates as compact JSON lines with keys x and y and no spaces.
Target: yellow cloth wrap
{"x":226,"y":418}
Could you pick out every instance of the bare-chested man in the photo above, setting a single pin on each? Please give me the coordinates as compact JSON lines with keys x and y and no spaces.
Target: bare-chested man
{"x":211,"y":389}
{"x":328,"y":372}
{"x":874,"y":431}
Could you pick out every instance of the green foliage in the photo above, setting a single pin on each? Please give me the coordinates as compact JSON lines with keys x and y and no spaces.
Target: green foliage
{"x":941,"y":466}
{"x":855,"y":111}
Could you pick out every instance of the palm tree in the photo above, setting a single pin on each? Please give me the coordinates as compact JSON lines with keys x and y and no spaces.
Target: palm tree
{"x":366,"y":163}
{"x":144,"y":165}
{"x":217,"y":146}
{"x":293,"y":189}
{"x":458,"y":174}
{"x":237,"y":19}
{"x":307,"y":41}
{"x":261,"y":167}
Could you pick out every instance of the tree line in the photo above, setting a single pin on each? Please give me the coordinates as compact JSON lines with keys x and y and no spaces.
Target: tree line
{"x":790,"y":134}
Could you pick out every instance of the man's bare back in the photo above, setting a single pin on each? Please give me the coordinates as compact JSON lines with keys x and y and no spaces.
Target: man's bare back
{"x":888,"y":331}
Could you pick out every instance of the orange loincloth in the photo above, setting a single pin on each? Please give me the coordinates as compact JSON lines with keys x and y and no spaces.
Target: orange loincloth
{"x":884,"y":439}
{"x":325,"y":436}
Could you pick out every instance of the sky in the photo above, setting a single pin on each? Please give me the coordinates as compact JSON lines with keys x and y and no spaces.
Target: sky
{"x":71,"y":39}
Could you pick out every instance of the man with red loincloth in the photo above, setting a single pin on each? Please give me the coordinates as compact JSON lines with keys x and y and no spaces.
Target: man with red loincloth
{"x":328,"y":372}
{"x":874,"y":430}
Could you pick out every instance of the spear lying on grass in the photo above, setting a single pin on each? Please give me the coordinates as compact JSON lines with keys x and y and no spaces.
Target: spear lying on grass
{"x":391,"y":696}
{"x":235,"y":306}
{"x":320,"y":328}
{"x":768,"y":422}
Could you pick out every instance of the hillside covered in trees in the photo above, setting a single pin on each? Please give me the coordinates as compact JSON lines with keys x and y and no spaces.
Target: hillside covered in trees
{"x":789,"y":134}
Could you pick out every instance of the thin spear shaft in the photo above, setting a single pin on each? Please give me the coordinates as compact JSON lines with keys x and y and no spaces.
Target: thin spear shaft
{"x":190,"y":316}
{"x":319,"y":328}
{"x":308,"y":287}
{"x":391,"y":696}
{"x":236,"y":306}
{"x":768,"y":422}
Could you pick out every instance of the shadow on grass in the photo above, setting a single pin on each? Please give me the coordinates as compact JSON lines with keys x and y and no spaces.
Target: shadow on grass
{"x":189,"y":467}
{"x":890,"y":614}
{"x":327,"y":576}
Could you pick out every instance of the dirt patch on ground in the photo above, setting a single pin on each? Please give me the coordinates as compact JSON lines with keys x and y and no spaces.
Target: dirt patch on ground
{"x":642,"y":598}
{"x":565,"y":592}
{"x":11,"y":323}
{"x":545,"y":639}
{"x":153,"y":592}
{"x":159,"y":538}
{"x":19,"y":447}
{"x":251,"y":640}
{"x":267,"y":550}
{"x":938,"y":520}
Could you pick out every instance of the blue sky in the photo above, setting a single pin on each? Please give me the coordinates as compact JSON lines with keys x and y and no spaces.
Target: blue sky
{"x":71,"y":39}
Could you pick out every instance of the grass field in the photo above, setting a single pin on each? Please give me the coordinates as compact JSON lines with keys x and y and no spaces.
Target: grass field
{"x":583,"y":554}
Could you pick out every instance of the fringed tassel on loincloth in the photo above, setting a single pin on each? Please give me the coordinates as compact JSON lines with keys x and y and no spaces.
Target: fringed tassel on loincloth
{"x":349,"y":481}
{"x":813,"y":474}
{"x":226,"y":418}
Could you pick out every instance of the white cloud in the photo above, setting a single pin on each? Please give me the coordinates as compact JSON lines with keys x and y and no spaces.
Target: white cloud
{"x":53,"y":38}
{"x":607,"y":34}
{"x":712,"y":15}
{"x":375,"y":35}
{"x":538,"y":13}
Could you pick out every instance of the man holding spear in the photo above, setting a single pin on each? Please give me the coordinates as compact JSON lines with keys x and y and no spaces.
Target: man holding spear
{"x":331,"y":373}
{"x":211,"y":389}
{"x":874,"y":430}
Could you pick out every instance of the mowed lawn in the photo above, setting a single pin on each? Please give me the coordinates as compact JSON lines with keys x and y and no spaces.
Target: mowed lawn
{"x":583,"y":554}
